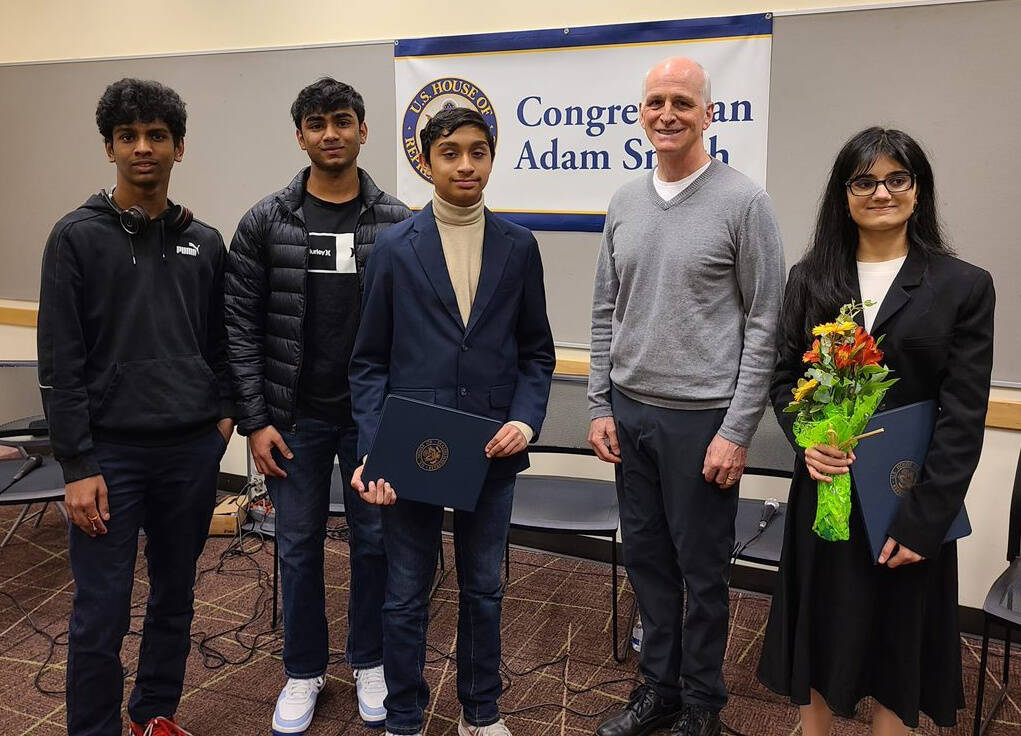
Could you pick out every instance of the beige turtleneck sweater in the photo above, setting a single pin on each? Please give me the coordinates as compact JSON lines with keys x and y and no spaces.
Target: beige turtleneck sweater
{"x":462,"y":231}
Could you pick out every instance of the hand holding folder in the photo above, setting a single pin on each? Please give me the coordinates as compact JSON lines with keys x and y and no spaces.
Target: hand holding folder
{"x":508,"y":441}
{"x":887,"y":467}
{"x":378,"y":492}
{"x":431,"y":454}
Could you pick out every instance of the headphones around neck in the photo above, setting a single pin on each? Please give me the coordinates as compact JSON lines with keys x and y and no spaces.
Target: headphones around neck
{"x":135,"y":219}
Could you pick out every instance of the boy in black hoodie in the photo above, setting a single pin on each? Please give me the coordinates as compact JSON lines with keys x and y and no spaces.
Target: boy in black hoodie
{"x":133,"y":372}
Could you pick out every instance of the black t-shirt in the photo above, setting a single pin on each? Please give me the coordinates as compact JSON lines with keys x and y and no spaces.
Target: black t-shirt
{"x":332,"y":307}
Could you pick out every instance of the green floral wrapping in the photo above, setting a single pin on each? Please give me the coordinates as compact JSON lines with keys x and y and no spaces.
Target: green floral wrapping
{"x":847,"y":420}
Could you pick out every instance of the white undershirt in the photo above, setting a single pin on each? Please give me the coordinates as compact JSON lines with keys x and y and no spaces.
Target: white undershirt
{"x":667,"y":190}
{"x":874,"y":280}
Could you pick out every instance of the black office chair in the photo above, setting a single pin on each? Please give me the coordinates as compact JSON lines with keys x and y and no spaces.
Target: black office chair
{"x":44,"y":485}
{"x":1002,"y":606}
{"x":769,"y":455}
{"x":28,"y":435}
{"x":564,"y":505}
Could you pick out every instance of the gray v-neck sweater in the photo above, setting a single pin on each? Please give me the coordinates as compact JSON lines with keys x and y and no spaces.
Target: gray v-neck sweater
{"x":686,"y":299}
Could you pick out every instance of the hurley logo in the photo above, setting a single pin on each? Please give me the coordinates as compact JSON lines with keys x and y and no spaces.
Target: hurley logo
{"x":188,"y":250}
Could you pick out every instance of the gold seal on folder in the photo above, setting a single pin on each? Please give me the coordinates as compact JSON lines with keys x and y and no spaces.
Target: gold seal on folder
{"x":432,"y":455}
{"x":904,"y":476}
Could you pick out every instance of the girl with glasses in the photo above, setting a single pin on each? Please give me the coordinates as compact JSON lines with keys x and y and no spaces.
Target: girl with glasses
{"x":843,"y":627}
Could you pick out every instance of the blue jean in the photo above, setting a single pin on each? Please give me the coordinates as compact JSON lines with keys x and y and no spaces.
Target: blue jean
{"x":170,"y":493}
{"x":302,"y":503}
{"x":411,"y":532}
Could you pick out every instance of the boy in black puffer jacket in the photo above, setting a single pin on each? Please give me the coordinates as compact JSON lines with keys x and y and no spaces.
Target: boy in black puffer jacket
{"x":294,"y":284}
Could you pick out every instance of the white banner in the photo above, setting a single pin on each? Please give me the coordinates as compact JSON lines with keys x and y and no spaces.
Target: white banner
{"x":563,"y":105}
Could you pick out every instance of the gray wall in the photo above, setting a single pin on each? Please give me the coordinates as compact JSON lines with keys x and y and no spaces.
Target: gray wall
{"x":947,"y":74}
{"x":240,"y":144}
{"x":943,"y":73}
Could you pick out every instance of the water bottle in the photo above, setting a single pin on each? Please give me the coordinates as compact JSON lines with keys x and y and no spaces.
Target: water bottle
{"x":637,"y":634}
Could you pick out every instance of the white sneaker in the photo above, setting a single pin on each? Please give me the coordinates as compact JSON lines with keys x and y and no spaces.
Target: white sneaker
{"x":494,"y":729}
{"x":370,"y":687}
{"x":296,"y":705}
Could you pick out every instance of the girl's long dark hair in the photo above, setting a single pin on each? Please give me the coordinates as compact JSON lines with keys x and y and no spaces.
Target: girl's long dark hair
{"x":825,"y":278}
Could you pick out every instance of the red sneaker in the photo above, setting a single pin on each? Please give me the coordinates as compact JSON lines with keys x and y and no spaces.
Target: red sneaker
{"x":159,"y":726}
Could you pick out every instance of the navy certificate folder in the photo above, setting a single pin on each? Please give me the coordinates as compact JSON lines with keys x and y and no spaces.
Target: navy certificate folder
{"x":888,"y":465}
{"x":431,"y":454}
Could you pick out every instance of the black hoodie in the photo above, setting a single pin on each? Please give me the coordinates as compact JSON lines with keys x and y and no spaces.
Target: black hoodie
{"x":132,"y":343}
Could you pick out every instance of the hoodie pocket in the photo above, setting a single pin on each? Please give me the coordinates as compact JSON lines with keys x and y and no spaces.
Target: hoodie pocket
{"x":158,"y":395}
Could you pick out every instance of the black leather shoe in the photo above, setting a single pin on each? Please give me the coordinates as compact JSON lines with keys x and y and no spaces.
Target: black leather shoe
{"x":695,"y":721}
{"x":645,"y":712}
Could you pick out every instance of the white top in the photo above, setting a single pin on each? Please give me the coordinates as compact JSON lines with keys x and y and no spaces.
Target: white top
{"x":667,"y":190}
{"x":874,"y":280}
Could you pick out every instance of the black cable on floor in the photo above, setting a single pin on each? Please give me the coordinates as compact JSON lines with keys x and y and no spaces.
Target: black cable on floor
{"x":54,"y":641}
{"x":240,"y":548}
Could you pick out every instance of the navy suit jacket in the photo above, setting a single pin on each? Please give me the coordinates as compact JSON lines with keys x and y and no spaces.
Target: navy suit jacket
{"x":412,"y":341}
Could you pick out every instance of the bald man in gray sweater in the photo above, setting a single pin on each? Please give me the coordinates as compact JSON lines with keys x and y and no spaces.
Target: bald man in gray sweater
{"x":687,"y":295}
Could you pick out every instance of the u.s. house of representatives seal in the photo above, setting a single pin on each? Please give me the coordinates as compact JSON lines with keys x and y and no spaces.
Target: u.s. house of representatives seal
{"x":440,"y":94}
{"x":904,"y":476}
{"x":432,"y":455}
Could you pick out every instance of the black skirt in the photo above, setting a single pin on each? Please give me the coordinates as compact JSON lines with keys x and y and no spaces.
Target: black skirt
{"x":850,"y":629}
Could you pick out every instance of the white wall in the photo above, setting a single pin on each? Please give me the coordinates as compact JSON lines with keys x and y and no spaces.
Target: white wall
{"x":70,"y":29}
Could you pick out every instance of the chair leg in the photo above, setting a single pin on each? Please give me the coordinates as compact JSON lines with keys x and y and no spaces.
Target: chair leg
{"x":276,"y":580}
{"x":39,"y":518}
{"x":614,"y":614}
{"x":1001,"y":693}
{"x":980,"y":691}
{"x":18,"y":522}
{"x":1006,"y":655}
{"x":439,"y":573}
{"x":63,"y":512}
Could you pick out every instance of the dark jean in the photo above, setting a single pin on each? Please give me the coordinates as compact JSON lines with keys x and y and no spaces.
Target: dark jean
{"x":677,"y":532}
{"x":411,"y":531}
{"x":170,"y":493}
{"x":302,"y":503}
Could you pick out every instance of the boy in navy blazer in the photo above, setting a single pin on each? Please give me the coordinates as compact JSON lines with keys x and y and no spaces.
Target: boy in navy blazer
{"x":454,"y":313}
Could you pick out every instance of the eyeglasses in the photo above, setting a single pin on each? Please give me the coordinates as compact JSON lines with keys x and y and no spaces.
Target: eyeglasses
{"x":865,"y":186}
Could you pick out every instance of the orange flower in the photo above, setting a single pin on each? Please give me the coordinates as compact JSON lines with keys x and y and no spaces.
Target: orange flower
{"x":870,"y":354}
{"x":812,"y":356}
{"x":842,"y":356}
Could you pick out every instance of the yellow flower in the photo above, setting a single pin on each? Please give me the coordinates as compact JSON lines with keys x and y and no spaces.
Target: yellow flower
{"x":804,"y":389}
{"x":834,"y":328}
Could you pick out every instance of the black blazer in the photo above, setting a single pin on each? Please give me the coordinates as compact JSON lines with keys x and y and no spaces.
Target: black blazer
{"x":938,"y":321}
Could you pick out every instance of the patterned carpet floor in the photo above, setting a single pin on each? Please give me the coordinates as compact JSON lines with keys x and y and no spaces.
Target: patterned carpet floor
{"x":559,"y":670}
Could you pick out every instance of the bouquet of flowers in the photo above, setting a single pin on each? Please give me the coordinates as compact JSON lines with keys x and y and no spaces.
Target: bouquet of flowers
{"x":841,"y":389}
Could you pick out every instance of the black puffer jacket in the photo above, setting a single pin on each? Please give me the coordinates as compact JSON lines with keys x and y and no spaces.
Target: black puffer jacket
{"x":265,"y":296}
